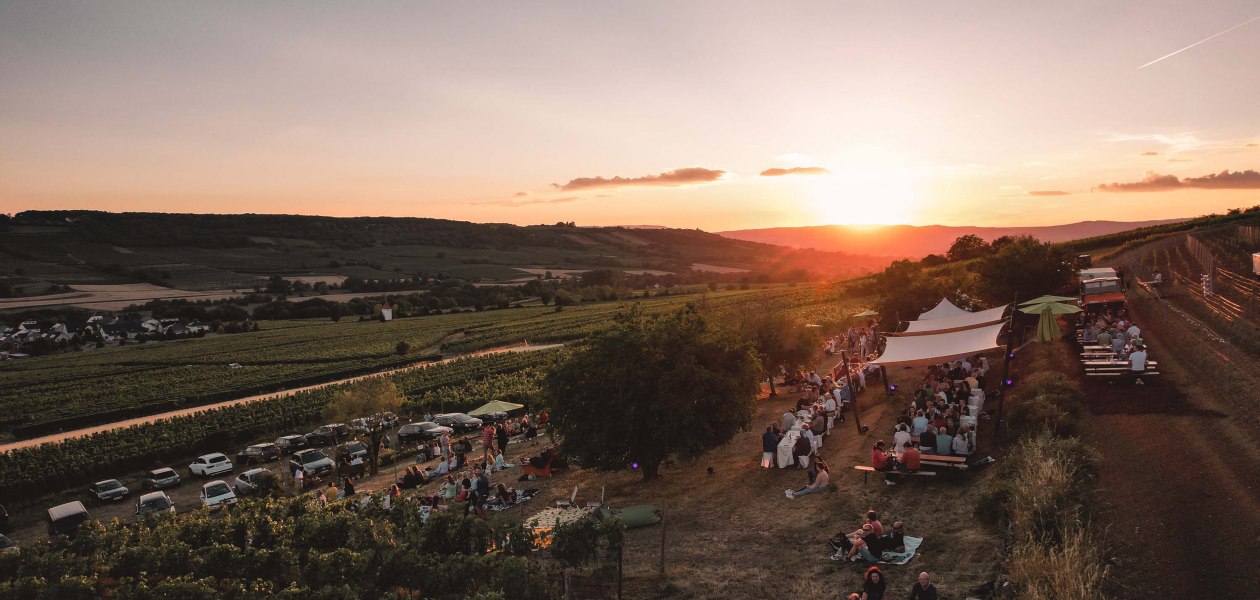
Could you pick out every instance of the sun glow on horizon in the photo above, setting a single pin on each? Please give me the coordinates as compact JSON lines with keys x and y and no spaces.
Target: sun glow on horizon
{"x":867,"y":197}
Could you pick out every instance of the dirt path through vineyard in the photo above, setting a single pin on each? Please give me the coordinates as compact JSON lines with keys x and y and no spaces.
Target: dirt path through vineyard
{"x":57,"y":437}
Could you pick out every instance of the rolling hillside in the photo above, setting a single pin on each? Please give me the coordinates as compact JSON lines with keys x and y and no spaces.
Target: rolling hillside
{"x":214,"y":252}
{"x":916,"y":242}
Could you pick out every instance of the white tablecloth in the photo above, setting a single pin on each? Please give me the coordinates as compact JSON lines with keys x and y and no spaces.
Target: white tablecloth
{"x":783,"y":458}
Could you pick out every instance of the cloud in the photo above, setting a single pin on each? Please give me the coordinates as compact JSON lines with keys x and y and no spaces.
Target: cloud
{"x":1154,"y":182}
{"x":1179,"y":160}
{"x":1252,"y":145}
{"x":674,"y":178}
{"x":1049,"y":193}
{"x":517,"y":201}
{"x":777,"y":172}
{"x":521,"y":194}
{"x":1149,"y":154}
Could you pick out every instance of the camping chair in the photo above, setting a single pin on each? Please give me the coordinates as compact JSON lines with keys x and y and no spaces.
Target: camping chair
{"x":568,"y":503}
{"x":601,"y":499}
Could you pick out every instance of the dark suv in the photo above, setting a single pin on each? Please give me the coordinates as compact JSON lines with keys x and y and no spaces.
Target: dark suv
{"x":460,"y":422}
{"x":258,"y":453}
{"x":416,"y":433}
{"x":328,"y":435}
{"x":311,"y":462}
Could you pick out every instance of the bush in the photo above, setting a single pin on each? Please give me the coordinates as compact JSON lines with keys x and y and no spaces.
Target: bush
{"x":1041,"y":487}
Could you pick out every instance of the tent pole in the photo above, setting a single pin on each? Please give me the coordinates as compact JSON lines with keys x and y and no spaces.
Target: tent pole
{"x":1006,"y":364}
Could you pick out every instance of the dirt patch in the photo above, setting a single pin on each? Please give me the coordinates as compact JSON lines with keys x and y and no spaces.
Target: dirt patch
{"x":1179,"y":489}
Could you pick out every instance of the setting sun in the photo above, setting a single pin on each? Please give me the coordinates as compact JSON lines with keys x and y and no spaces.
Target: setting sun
{"x":866,"y":197}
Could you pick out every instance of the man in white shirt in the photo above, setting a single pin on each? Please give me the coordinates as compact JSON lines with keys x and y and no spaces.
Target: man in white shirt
{"x":901,"y":438}
{"x":1137,"y":364}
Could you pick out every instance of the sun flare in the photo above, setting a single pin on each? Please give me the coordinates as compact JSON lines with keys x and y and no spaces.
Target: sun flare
{"x":869,"y":197}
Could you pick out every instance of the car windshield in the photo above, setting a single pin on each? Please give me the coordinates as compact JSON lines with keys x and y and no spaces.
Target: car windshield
{"x":216,"y":459}
{"x":105,"y":486}
{"x":158,"y":503}
{"x":311,"y":457}
{"x":163,"y":474}
{"x":217,"y":489}
{"x":430,"y":426}
{"x":464,"y":418}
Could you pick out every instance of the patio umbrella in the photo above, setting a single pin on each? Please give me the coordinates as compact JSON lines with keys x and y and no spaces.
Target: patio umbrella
{"x":1047,"y":326}
{"x":494,"y":407}
{"x":1045,"y":299}
{"x":1055,"y":308}
{"x":867,"y":313}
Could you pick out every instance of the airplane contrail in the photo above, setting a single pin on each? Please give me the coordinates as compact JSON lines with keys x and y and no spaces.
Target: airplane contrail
{"x":1197,"y":43}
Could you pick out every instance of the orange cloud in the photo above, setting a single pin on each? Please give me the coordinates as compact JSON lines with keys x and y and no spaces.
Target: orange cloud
{"x":673,"y":178}
{"x":1154,"y":182}
{"x":777,"y":172}
{"x":1149,"y":154}
{"x":1049,"y":193}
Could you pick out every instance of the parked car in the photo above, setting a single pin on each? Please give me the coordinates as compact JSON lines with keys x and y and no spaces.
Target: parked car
{"x":415,"y":433}
{"x":460,"y":422}
{"x":210,"y":465}
{"x":356,"y":449}
{"x":108,"y":490}
{"x":64,"y":519}
{"x":258,"y":453}
{"x":155,"y":503}
{"x":328,"y":435}
{"x":6,"y":545}
{"x":250,"y":481}
{"x":291,"y":443}
{"x":217,"y":494}
{"x":388,"y":419}
{"x":494,"y":417}
{"x":312,"y":463}
{"x":161,"y":479}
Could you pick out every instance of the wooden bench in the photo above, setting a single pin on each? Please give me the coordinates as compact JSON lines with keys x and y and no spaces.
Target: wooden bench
{"x":944,"y":458}
{"x":866,"y":472}
{"x":961,"y":466}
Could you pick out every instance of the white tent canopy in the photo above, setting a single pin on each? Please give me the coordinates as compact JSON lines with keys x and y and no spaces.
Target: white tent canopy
{"x":968,"y":320}
{"x":943,"y":310}
{"x":922,"y":350}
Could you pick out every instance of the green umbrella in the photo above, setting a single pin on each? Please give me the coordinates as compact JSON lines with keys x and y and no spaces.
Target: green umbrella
{"x":494,"y":407}
{"x":1055,"y":308}
{"x":1048,"y":326}
{"x":1045,"y":299}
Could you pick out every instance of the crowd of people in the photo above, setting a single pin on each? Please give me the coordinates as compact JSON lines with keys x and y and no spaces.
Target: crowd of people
{"x":939,"y":421}
{"x":1115,"y":330}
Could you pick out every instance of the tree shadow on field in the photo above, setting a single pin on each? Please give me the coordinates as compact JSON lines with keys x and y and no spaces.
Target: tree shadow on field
{"x":1154,"y":398}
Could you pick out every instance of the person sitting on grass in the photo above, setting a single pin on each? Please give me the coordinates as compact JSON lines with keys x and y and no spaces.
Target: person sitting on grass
{"x":861,"y":549}
{"x":873,"y":584}
{"x":500,"y":463}
{"x":846,"y":544}
{"x":923,"y":588}
{"x":894,"y":541}
{"x":819,"y":485}
{"x":450,"y":489}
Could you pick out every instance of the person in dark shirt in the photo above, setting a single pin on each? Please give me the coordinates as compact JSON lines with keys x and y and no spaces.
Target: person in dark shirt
{"x":923,"y":588}
{"x":769,"y":445}
{"x":873,"y":584}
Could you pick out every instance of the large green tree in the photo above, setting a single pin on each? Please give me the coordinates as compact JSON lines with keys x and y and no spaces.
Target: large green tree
{"x":652,"y":386}
{"x":779,"y":340}
{"x":368,"y":399}
{"x":967,"y":247}
{"x":1026,"y":267}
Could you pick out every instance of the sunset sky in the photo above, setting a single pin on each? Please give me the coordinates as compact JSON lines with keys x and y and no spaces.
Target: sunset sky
{"x":717,"y":115}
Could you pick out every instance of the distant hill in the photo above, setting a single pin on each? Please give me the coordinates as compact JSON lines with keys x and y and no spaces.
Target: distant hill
{"x":212,"y":252}
{"x":916,"y":242}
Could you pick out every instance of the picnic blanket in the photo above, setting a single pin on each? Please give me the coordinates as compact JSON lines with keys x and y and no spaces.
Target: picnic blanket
{"x":901,"y":558}
{"x":521,"y":498}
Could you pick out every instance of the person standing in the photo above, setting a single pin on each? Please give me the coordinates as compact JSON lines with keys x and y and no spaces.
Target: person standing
{"x":444,"y":444}
{"x":1137,"y":363}
{"x":923,"y":588}
{"x":829,"y":408}
{"x":769,"y":445}
{"x":502,"y":437}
